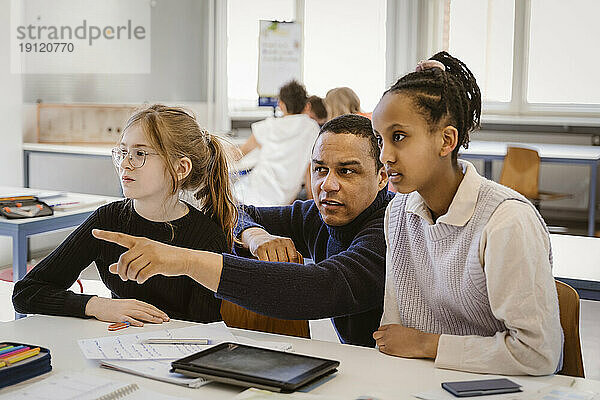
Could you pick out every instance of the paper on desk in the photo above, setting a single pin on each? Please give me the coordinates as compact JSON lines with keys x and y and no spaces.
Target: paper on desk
{"x":80,"y":386}
{"x":283,"y":346}
{"x":554,"y":392}
{"x":128,"y":347}
{"x":154,"y":369}
{"x":258,"y":394}
{"x":161,"y":369}
{"x":528,"y":387}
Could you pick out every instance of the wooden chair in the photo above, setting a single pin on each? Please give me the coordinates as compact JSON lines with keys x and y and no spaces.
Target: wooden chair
{"x":239,"y":317}
{"x":568,"y":302}
{"x":236,"y":316}
{"x":521,"y":172}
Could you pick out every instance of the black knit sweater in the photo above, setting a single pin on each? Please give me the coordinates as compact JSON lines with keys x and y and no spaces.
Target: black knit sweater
{"x":346,"y":282}
{"x":44,"y":289}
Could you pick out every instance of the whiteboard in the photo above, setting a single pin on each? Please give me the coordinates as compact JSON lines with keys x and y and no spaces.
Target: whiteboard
{"x":279,"y":56}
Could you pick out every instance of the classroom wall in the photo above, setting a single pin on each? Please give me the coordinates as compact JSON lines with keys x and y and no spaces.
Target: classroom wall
{"x":179,"y":65}
{"x":180,"y":59}
{"x":11,"y":166}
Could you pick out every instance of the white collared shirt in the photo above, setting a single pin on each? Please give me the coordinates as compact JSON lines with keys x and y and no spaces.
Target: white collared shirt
{"x":513,"y":244}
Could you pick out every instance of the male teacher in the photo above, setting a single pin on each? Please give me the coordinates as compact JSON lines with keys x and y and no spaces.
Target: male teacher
{"x":341,"y":230}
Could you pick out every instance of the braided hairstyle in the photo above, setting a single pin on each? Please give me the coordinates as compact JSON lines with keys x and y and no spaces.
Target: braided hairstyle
{"x":451,"y":97}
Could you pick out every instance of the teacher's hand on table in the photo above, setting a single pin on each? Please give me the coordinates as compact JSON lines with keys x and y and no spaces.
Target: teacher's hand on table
{"x":398,"y":340}
{"x":267,"y":247}
{"x":146,"y":258}
{"x":119,"y":310}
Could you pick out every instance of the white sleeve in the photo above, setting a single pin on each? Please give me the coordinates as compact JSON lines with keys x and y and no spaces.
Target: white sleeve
{"x":390,"y":297}
{"x":514,"y":250}
{"x":262,"y":130}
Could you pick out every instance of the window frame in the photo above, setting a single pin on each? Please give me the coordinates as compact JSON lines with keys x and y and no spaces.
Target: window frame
{"x":519,"y":105}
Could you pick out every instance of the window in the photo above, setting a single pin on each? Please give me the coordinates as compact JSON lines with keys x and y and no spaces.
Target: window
{"x":344,"y":45}
{"x":481,"y":35}
{"x":530,"y":56}
{"x":563,"y":56}
{"x":243,"y":18}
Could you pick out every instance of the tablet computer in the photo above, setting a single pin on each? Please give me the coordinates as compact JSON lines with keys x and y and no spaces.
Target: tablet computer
{"x":251,"y":366}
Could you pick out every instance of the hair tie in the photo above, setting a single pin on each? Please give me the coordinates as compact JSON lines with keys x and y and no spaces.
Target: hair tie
{"x":429,"y":64}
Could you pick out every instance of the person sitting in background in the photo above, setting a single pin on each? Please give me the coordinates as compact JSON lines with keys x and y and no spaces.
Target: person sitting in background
{"x":340,"y":101}
{"x":284,"y":146}
{"x":317,"y":110}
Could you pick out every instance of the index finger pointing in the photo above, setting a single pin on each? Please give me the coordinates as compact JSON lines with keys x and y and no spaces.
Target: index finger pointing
{"x":119,"y":238}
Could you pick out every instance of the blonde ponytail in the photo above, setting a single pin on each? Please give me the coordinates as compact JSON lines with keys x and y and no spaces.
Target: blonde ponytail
{"x":174,"y":133}
{"x":216,"y":195}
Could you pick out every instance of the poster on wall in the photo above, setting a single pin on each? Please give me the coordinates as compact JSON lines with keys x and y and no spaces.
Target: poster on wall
{"x":280,"y":58}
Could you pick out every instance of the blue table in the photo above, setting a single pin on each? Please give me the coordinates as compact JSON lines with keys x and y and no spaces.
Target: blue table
{"x":20,"y":229}
{"x":552,"y":153}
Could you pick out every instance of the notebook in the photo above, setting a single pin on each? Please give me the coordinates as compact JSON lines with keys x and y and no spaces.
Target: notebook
{"x":80,"y":386}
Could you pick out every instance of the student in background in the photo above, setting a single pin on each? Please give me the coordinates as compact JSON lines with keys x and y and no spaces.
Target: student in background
{"x":469,"y":280}
{"x":284,"y":146}
{"x":340,"y":101}
{"x":317,"y":110}
{"x":161,"y":153}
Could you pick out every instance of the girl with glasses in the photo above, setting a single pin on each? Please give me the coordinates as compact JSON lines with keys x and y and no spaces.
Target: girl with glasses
{"x":161,"y":154}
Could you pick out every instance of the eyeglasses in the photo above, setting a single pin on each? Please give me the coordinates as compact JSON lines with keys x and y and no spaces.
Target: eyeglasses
{"x":137,"y":157}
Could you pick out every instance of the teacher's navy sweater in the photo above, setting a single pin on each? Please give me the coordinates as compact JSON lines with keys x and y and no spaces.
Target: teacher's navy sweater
{"x":346,"y":282}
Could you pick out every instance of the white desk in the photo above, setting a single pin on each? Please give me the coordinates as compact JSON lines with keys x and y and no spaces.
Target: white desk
{"x":577,"y":262}
{"x":80,"y":150}
{"x":554,"y":153}
{"x":362,"y":371}
{"x":20,"y":229}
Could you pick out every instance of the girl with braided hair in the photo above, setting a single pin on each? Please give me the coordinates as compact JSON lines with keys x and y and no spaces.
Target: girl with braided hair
{"x":468,"y":274}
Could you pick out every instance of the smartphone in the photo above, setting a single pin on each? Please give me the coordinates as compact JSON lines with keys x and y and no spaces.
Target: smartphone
{"x":481,"y":387}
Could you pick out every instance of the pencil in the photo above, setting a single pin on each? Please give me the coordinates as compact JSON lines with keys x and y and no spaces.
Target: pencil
{"x":175,"y":341}
{"x":22,"y":356}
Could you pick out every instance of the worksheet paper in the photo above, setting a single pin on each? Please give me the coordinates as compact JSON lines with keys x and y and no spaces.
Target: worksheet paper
{"x":161,"y":369}
{"x":128,"y":347}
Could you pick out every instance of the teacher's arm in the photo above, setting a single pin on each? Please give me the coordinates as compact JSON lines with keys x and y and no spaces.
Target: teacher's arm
{"x":145,"y":258}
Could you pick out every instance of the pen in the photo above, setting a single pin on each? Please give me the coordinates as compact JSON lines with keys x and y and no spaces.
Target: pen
{"x":175,"y":341}
{"x":7,"y":349}
{"x":70,"y":203}
{"x":14,"y":351}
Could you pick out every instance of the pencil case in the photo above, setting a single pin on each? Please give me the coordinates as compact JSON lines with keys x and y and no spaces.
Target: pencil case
{"x":23,"y":207}
{"x":25,"y":369}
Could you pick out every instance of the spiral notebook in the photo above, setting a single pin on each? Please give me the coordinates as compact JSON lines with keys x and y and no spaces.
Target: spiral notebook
{"x":80,"y":386}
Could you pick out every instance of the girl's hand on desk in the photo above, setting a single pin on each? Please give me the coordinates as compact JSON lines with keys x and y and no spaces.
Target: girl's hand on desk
{"x":120,"y":310}
{"x":398,"y":340}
